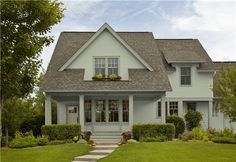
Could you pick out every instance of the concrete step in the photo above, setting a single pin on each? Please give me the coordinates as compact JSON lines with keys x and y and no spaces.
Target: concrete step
{"x":106,"y":147}
{"x":106,"y":137}
{"x":89,"y":157}
{"x":106,"y":142}
{"x":101,"y":152}
{"x":107,"y":133}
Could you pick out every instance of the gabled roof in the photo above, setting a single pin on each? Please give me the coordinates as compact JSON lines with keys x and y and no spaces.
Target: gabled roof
{"x":105,"y":26}
{"x":185,"y":51}
{"x":69,"y":80}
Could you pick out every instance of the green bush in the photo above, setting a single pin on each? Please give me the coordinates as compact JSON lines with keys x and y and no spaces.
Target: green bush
{"x":61,"y":132}
{"x":153,"y":130}
{"x":229,"y":140}
{"x":43,"y":140}
{"x":34,"y":124}
{"x":153,"y":139}
{"x":178,"y":122}
{"x":199,"y":134}
{"x":4,"y":140}
{"x":192,"y":119}
{"x":186,"y":136}
{"x":224,"y":133}
{"x":21,"y":141}
{"x":56,"y":142}
{"x":228,"y":132}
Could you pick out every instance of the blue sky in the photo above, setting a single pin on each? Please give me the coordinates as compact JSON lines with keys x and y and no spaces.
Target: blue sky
{"x":212,"y":22}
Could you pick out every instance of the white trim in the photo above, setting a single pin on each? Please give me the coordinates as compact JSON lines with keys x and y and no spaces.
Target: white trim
{"x":102,"y":28}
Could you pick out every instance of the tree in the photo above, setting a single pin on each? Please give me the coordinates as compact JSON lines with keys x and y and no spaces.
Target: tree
{"x":24,"y":25}
{"x":225,"y":88}
{"x":14,"y":112}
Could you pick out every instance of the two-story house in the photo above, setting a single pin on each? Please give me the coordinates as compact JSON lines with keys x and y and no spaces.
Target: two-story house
{"x":159,"y":77}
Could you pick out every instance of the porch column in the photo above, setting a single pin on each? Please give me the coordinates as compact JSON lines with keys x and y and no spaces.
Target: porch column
{"x":180,"y":109}
{"x":163,"y":109}
{"x":61,"y":113}
{"x":81,"y":111}
{"x":48,"y":110}
{"x":210,"y":107}
{"x":131,"y":111}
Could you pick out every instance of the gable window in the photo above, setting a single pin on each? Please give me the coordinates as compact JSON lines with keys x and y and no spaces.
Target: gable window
{"x":173,"y":108}
{"x":100,"y":66}
{"x":106,"y":66}
{"x":185,"y":75}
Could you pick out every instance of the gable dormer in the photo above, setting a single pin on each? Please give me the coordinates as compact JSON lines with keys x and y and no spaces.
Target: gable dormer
{"x":106,"y":53}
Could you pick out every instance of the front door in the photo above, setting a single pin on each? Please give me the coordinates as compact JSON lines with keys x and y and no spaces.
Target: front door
{"x":72,"y":112}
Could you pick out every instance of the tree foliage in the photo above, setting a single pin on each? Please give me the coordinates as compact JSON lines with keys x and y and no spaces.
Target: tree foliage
{"x":225,"y":88}
{"x":24,"y":25}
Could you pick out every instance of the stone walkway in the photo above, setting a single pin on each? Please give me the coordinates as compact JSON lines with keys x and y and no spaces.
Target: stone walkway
{"x":101,"y":150}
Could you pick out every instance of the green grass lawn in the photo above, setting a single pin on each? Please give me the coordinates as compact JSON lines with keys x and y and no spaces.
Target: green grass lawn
{"x":173,"y":152}
{"x":50,"y":153}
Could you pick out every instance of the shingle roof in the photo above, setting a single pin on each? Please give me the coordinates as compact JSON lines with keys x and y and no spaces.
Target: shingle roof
{"x":185,"y":51}
{"x":72,"y":80}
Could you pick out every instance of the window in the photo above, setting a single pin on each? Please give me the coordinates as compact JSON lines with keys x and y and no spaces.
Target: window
{"x":113,"y":108}
{"x":106,"y":66}
{"x":215,"y":109}
{"x":191,"y":106}
{"x":125,"y":106}
{"x":88,"y":110}
{"x":100,"y":66}
{"x":112,"y":66}
{"x":185,"y":75}
{"x":158,"y":109}
{"x":100,"y":111}
{"x":173,"y":108}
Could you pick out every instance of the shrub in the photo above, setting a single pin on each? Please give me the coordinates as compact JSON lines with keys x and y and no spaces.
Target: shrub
{"x":153,"y":130}
{"x":61,"y":132}
{"x":43,"y":140}
{"x":21,"y":141}
{"x":56,"y":142}
{"x":229,"y":140}
{"x":34,"y":124}
{"x":199,"y":134}
{"x":178,"y":122}
{"x":192,"y":119}
{"x":4,"y":140}
{"x":228,"y":132}
{"x":153,"y":139}
{"x":186,"y":136}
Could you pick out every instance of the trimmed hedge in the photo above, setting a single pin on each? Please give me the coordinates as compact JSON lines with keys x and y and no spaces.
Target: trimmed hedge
{"x":153,"y":130}
{"x":229,"y":140}
{"x":178,"y":122}
{"x":61,"y":132}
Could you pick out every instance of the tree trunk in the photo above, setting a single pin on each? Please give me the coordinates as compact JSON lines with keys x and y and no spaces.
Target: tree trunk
{"x":1,"y":107}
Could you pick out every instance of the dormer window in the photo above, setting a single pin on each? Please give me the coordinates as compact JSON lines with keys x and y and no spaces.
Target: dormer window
{"x":106,"y":66}
{"x":185,"y":75}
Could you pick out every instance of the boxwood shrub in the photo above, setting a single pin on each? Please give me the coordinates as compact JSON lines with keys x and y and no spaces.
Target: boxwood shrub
{"x":229,"y":140}
{"x":153,"y":130}
{"x":178,"y":122}
{"x":61,"y":132}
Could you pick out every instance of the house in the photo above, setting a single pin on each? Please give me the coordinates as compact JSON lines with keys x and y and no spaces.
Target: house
{"x":159,"y":77}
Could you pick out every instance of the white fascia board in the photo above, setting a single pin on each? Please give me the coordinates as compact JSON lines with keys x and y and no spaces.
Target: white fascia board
{"x":102,"y":28}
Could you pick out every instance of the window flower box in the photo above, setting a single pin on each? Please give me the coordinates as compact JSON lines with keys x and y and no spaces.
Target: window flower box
{"x":101,"y":77}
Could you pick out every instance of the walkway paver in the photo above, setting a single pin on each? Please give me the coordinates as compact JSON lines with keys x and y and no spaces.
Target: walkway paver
{"x":101,"y":150}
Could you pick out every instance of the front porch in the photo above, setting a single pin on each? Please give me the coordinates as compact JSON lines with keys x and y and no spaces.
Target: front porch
{"x":99,"y":112}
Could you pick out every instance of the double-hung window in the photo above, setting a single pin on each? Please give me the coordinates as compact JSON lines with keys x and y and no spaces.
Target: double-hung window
{"x":88,"y":110}
{"x":185,"y":75}
{"x":113,"y":107}
{"x":173,"y":108}
{"x":107,"y":66}
{"x":125,"y":107}
{"x":100,"y":66}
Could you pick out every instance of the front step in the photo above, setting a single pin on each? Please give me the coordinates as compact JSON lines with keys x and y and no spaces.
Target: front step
{"x":106,"y":136}
{"x":89,"y":157}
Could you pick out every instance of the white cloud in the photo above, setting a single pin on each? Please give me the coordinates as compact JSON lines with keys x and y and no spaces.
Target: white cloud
{"x":214,"y":21}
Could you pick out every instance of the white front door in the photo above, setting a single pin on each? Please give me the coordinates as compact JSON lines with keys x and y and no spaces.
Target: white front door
{"x":72,"y":117}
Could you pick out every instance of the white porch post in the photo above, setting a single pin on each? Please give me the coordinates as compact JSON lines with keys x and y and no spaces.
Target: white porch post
{"x":210,"y":107}
{"x":61,"y":113}
{"x":81,"y":111}
{"x":181,"y":109}
{"x":163,"y":109}
{"x":131,"y":111}
{"x":48,"y":110}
